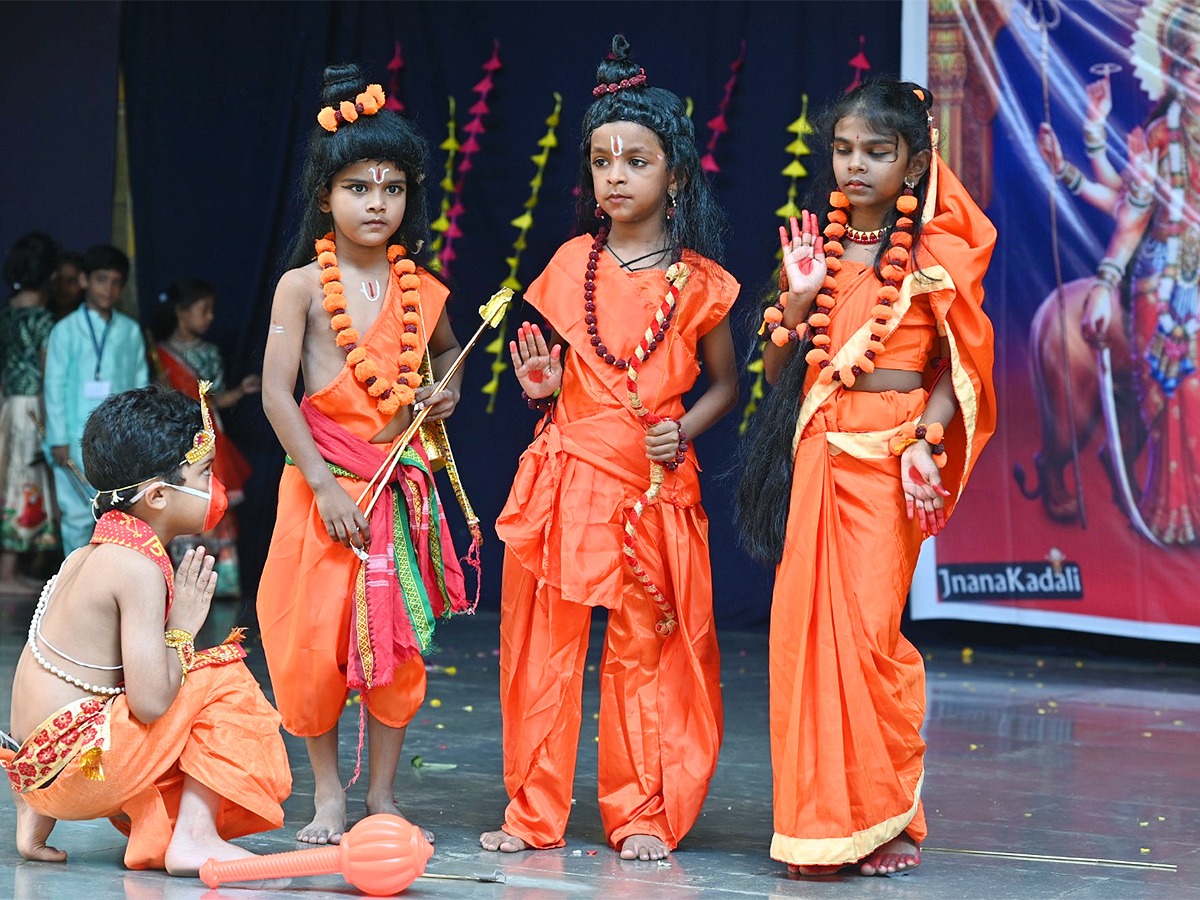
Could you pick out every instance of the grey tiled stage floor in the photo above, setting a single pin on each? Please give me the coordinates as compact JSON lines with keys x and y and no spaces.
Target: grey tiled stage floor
{"x":1057,"y":756}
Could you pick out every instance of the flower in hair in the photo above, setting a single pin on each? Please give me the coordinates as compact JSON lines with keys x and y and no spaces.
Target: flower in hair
{"x":367,"y":103}
{"x":601,"y":89}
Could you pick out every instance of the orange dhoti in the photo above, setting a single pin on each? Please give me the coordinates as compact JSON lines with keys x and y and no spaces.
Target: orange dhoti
{"x":563,"y":527}
{"x":220,"y":730}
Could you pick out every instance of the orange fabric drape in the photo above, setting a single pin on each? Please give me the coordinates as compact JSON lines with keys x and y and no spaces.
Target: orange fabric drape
{"x":660,"y":721}
{"x":306,"y":593}
{"x":220,"y":730}
{"x":847,"y":689}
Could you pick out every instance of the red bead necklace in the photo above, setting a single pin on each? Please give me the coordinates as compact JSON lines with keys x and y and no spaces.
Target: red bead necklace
{"x":589,"y":308}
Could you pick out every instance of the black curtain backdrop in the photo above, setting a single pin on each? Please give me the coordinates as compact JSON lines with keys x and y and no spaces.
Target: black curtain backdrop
{"x":221,"y":97}
{"x":58,"y":69}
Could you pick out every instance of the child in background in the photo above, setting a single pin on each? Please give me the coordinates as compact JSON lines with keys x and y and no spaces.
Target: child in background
{"x":65,"y":290}
{"x":356,"y":322}
{"x":185,"y":315}
{"x":27,"y":512}
{"x":656,"y":228}
{"x":94,"y":352}
{"x":120,"y":716}
{"x":845,"y":474}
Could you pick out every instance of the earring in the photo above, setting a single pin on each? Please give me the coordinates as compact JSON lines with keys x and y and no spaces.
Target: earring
{"x":671,"y":194}
{"x":910,"y":182}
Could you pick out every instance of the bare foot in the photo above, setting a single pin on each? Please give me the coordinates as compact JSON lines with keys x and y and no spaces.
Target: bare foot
{"x":644,"y":846}
{"x":18,"y":587}
{"x":501,"y":841}
{"x":33,"y":829}
{"x":387,"y":806}
{"x":899,"y":854}
{"x":328,"y":823}
{"x":186,"y":854}
{"x":796,"y":871}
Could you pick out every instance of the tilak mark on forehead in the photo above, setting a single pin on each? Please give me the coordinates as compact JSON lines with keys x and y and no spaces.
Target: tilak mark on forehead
{"x":377,"y":173}
{"x":617,"y":143}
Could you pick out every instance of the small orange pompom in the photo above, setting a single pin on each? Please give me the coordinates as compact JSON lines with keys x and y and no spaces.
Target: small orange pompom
{"x":833,"y":264}
{"x":875,"y":345}
{"x":404,"y":394}
{"x":327,"y":120}
{"x":815,"y":356}
{"x":825,"y":376}
{"x":334,"y":302}
{"x":934,"y":432}
{"x":410,"y":358}
{"x":376,"y":91}
{"x":847,"y":374}
{"x":838,"y":200}
{"x":326,"y":244}
{"x":887,"y":292}
{"x":836,"y":215}
{"x":830,"y":282}
{"x":898,"y":255}
{"x":834,"y":230}
{"x":396,"y":252}
{"x":779,"y":336}
{"x":406,"y":267}
{"x":903,"y":224}
{"x":366,"y":369}
{"x":347,"y":337}
{"x":326,"y":259}
{"x":819,"y":320}
{"x":333,"y":273}
{"x":412,"y":379}
{"x":879,"y":329}
{"x":411,"y":298}
{"x":892,"y":273}
{"x":334,"y":287}
{"x":410,"y":282}
{"x":834,"y":248}
{"x":879,"y":311}
{"x":346,"y":108}
{"x":411,"y":318}
{"x":821,"y":340}
{"x":939,"y":459}
{"x":340,"y":321}
{"x":367,"y":102}
{"x":825,"y":302}
{"x":772,"y":314}
{"x":390,"y":405}
{"x":906,"y":203}
{"x":901,"y":239}
{"x":355,"y":356}
{"x":408,"y":339}
{"x":377,"y":388}
{"x":865,"y":364}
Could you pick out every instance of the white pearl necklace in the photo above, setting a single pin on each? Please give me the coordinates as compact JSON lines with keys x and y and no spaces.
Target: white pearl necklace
{"x":34,"y":625}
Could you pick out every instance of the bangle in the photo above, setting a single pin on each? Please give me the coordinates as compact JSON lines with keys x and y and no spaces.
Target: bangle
{"x":542,"y":404}
{"x":1072,"y":178}
{"x":1110,"y":272}
{"x":182,"y":643}
{"x":1140,"y":196}
{"x":912,"y":432}
{"x":1094,"y":141}
{"x":773,"y":326}
{"x":680,"y":451}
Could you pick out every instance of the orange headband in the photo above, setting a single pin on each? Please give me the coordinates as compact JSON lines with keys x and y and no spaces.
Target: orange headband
{"x":367,"y":103}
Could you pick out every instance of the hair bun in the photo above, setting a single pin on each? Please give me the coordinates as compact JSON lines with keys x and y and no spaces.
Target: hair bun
{"x":343,"y":82}
{"x":617,"y":65}
{"x":923,"y":94}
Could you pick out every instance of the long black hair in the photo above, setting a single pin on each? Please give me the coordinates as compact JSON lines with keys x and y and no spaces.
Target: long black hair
{"x":187,"y":291}
{"x":764,"y":491}
{"x":698,"y":223}
{"x":386,"y":135}
{"x":30,"y":262}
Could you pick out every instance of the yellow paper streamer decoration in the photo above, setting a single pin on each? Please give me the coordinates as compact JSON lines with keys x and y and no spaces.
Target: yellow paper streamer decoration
{"x":794,"y":171}
{"x":497,"y":348}
{"x":442,"y":222}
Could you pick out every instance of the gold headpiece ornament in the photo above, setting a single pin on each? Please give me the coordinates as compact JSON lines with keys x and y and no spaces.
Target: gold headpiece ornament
{"x":367,"y":103}
{"x":206,"y":437}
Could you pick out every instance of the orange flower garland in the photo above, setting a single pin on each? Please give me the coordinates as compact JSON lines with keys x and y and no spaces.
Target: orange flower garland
{"x":896,"y":258}
{"x":389,"y":398}
{"x":911,"y":432}
{"x":367,"y":103}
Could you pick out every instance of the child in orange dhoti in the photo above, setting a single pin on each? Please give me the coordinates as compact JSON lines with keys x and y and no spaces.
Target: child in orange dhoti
{"x":845,"y":476}
{"x":632,"y":307}
{"x":331,"y":622}
{"x":119,"y":716}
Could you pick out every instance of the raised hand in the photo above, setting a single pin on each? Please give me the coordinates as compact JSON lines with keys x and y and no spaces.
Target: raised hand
{"x":1143,"y":160}
{"x":1048,"y":146}
{"x":538,"y":367}
{"x":803,"y":257}
{"x":1099,"y":99}
{"x":921,"y":482}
